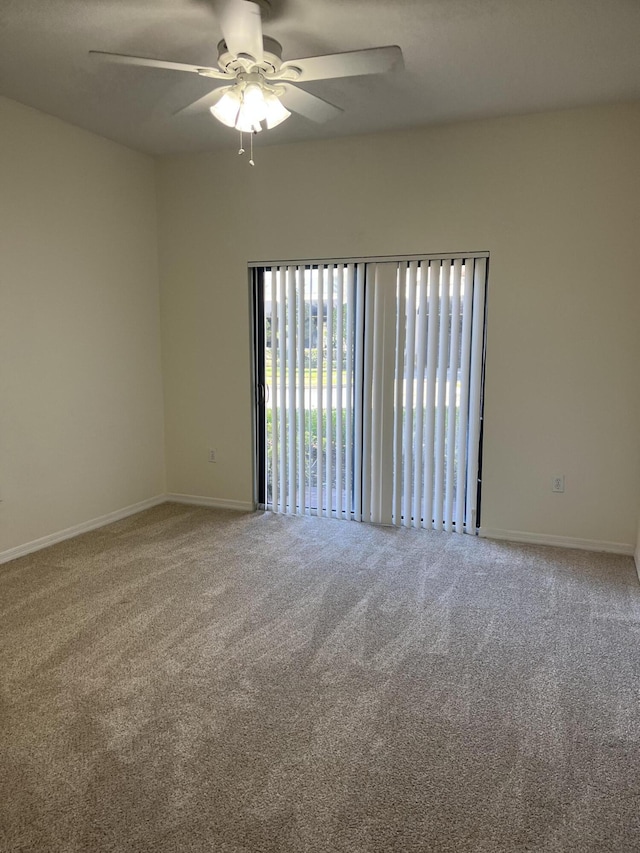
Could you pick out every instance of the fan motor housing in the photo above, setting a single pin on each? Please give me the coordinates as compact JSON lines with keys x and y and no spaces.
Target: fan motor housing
{"x":271,"y":62}
{"x":265,"y":8}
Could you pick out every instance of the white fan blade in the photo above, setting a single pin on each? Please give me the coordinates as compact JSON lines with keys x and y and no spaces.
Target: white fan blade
{"x":374,"y":60}
{"x":204,"y":103}
{"x":241,"y":26}
{"x":123,"y":59}
{"x":310,"y":106}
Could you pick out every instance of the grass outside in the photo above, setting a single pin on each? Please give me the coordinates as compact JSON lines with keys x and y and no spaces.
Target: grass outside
{"x":310,"y":377}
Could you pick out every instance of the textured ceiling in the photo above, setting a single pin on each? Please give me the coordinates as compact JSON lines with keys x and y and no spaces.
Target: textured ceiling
{"x":463,"y":59}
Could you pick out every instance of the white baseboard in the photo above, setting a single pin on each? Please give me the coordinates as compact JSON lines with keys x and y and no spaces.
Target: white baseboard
{"x":77,"y":529}
{"x":558,"y":541}
{"x":214,"y":503}
{"x":636,"y":557}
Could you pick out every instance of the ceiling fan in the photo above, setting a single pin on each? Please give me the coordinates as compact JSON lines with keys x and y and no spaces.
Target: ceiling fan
{"x":260,"y":86}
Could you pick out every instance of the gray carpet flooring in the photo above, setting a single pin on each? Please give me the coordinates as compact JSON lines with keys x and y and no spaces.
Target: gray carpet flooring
{"x":199,"y":680}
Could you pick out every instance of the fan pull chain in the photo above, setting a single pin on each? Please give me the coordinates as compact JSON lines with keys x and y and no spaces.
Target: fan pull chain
{"x":241,"y":149}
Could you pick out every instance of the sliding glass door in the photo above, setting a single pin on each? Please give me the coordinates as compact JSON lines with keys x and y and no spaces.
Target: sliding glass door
{"x":369,"y":389}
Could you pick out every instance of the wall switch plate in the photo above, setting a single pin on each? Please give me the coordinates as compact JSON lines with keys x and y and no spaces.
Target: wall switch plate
{"x":557,"y":484}
{"x":212,"y":456}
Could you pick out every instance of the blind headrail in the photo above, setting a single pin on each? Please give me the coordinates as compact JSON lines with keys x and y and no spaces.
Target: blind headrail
{"x":381,"y":259}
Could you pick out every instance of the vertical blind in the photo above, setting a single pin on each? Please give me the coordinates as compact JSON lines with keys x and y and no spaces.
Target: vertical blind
{"x":374,"y":378}
{"x":439,"y":352}
{"x":313,"y":373}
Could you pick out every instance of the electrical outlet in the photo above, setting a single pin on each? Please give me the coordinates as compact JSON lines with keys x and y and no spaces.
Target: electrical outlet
{"x":212,"y":456}
{"x":557,"y":484}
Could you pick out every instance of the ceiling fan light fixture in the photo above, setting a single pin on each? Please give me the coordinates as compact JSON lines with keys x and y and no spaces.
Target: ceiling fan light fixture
{"x":245,"y":105}
{"x":228,"y":107}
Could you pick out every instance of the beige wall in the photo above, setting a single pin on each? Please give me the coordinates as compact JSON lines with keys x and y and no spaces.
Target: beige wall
{"x":81,"y":419}
{"x":555,"y":198}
